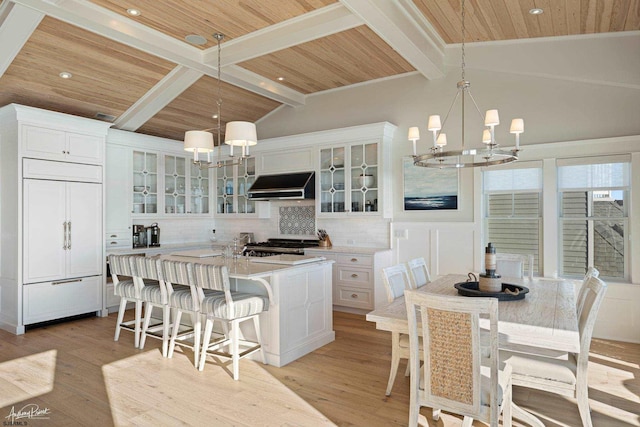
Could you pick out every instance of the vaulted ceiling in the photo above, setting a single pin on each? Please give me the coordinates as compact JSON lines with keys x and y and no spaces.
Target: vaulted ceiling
{"x":143,"y":73}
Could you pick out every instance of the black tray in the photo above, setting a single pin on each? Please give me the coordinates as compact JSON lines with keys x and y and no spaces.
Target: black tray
{"x":470,"y":289}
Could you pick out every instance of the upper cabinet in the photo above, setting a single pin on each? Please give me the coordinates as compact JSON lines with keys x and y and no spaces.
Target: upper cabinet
{"x":52,"y":144}
{"x":233,"y":182}
{"x":349,"y":179}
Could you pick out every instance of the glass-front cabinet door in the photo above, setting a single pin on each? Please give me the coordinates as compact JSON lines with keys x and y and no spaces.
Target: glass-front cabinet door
{"x":364,"y":178}
{"x":199,"y":190}
{"x":233,"y":183}
{"x":145,"y":182}
{"x":246,"y":177}
{"x":349,"y":179}
{"x":175,"y":176}
{"x":332,"y":179}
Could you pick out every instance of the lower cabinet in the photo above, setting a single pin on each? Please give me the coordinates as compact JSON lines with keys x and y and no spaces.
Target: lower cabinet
{"x":357,"y":276}
{"x":62,"y":298}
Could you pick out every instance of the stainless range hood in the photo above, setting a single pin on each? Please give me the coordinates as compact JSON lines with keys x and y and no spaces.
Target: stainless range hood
{"x":290,"y":186}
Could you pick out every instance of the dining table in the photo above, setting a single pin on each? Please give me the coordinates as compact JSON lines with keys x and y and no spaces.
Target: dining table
{"x":544,"y":322}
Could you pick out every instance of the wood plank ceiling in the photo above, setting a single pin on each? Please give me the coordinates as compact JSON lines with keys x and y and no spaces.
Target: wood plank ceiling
{"x":140,"y":69}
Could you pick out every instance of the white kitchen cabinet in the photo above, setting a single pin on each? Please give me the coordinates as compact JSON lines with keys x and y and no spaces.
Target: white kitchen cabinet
{"x":63,"y":232}
{"x":118,"y":196}
{"x":53,"y":144}
{"x":351,"y":179}
{"x":232,"y":184}
{"x":51,"y":225}
{"x":357,"y":276}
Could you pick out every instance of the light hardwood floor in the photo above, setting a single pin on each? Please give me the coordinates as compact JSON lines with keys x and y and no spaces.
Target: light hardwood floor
{"x":85,"y":378}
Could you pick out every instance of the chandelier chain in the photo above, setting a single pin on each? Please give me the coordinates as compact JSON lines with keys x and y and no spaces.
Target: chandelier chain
{"x":463,"y":37}
{"x":219,"y":37}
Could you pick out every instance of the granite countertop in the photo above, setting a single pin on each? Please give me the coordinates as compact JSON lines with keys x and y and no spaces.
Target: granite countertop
{"x":347,"y":250}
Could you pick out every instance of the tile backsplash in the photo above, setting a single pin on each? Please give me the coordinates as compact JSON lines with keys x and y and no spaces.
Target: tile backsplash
{"x":297,"y":220}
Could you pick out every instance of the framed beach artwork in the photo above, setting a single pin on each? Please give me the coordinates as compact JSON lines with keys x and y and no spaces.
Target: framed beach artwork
{"x":427,"y":189}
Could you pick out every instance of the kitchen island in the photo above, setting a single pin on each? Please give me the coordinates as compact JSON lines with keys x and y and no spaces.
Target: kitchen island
{"x":299,"y":319}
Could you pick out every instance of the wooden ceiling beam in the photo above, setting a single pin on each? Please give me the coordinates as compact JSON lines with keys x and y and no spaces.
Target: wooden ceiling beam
{"x":292,"y":32}
{"x":126,"y":31}
{"x":17,"y":23}
{"x":404,"y":28}
{"x":158,"y":97}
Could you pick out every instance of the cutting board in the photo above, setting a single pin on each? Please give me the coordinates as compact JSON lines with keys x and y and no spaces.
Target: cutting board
{"x":198,"y":253}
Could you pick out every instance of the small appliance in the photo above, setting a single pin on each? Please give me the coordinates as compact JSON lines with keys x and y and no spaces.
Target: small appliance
{"x":139,"y":236}
{"x":153,"y":234}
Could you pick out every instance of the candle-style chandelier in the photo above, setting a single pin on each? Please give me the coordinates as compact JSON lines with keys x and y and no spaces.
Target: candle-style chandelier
{"x":489,"y":155}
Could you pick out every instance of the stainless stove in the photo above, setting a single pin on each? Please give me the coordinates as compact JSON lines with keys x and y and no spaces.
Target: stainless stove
{"x":279,"y":246}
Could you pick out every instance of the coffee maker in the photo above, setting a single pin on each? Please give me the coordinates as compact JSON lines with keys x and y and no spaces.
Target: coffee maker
{"x":153,"y":237}
{"x":139,"y":236}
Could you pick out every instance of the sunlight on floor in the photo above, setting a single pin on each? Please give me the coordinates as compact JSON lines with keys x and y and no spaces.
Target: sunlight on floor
{"x":27,"y":377}
{"x":173,"y":390}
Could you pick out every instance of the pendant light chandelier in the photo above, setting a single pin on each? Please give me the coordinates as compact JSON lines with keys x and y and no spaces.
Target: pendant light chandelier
{"x":242,"y":134}
{"x":489,"y":155}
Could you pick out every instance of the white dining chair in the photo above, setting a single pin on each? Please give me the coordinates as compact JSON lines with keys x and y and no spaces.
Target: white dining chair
{"x":582,"y":293}
{"x":230,"y":309}
{"x":126,"y":285}
{"x":396,"y":281}
{"x":564,"y":377}
{"x":514,"y":265}
{"x":456,"y":376}
{"x":418,"y":272}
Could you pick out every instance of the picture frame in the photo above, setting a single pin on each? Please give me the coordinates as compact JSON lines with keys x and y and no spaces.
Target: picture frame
{"x":428,"y":189}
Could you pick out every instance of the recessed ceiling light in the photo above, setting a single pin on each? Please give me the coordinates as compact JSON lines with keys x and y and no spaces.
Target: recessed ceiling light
{"x":536,"y":11}
{"x":134,"y":12}
{"x":66,"y":75}
{"x":280,"y":79}
{"x":196,"y":39}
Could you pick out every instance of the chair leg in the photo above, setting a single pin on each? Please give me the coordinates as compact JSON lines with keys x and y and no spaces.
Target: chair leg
{"x":435,"y":414}
{"x":166,"y":326}
{"x":138,"y":318}
{"x":206,"y":339}
{"x":467,"y":422}
{"x":582,"y":395}
{"x":121,"y":309}
{"x":256,"y":324}
{"x":235,"y":348}
{"x":407,"y":371}
{"x":395,"y":361}
{"x":197,"y":334}
{"x":148,"y":308}
{"x":507,"y":415}
{"x":174,"y":333}
{"x":414,"y":410}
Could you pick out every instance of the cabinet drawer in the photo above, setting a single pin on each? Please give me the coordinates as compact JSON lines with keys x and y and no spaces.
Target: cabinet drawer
{"x":353,"y":297}
{"x":61,"y":298}
{"x":357,"y":260}
{"x":354,"y":276}
{"x":111,"y":243}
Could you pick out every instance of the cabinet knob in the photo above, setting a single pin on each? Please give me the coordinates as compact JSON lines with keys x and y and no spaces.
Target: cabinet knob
{"x":354,"y":296}
{"x":354,"y":259}
{"x":354,"y":275}
{"x":64,"y":152}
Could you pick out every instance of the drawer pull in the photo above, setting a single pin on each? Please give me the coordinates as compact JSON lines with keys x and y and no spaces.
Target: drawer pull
{"x":354,"y":275}
{"x":354,"y":296}
{"x":62,"y":282}
{"x":114,"y":235}
{"x":354,"y":259}
{"x":114,"y":243}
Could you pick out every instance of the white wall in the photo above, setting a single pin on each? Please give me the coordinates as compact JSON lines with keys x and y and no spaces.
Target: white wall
{"x":569,"y":89}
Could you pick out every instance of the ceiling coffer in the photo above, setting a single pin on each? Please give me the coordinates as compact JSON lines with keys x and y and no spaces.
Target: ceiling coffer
{"x":290,"y":186}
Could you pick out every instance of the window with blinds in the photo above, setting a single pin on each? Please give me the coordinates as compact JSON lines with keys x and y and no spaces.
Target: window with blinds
{"x":594,"y":217}
{"x":513,"y":210}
